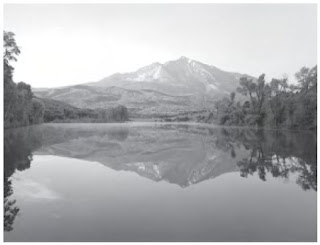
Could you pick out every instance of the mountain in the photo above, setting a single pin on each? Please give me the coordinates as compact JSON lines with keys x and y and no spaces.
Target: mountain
{"x":173,"y":87}
{"x":179,"y":77}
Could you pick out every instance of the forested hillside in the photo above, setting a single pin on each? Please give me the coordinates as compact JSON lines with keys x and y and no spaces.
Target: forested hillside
{"x":273,"y":105}
{"x":57,"y":111}
{"x":22,"y":108}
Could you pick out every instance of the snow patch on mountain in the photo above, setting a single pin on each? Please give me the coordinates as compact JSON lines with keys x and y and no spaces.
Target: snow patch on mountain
{"x":157,"y":73}
{"x":211,"y":87}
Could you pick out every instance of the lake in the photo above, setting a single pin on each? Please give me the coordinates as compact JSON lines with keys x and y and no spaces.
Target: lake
{"x":159,"y":182}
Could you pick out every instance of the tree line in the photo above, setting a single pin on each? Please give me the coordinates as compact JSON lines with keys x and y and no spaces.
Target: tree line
{"x":22,"y":108}
{"x":274,"y":104}
{"x":58,"y":111}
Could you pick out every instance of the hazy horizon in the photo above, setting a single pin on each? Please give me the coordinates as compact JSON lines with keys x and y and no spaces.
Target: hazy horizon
{"x":68,"y":44}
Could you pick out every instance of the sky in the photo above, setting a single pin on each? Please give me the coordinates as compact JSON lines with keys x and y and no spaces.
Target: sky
{"x":66,"y":44}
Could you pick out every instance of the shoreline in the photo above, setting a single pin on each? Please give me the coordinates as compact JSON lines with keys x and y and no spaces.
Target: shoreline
{"x":142,"y":123}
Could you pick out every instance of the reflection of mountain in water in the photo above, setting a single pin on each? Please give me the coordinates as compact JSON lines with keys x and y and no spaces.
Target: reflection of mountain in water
{"x":158,"y":153}
{"x":178,"y":154}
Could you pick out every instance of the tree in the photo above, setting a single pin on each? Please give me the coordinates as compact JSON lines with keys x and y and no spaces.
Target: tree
{"x":257,"y":92}
{"x":10,"y":48}
{"x":19,"y":107}
{"x":37,"y":111}
{"x":277,"y":98}
{"x":10,"y":51}
{"x":306,"y":98}
{"x":247,"y":87}
{"x":307,"y":78}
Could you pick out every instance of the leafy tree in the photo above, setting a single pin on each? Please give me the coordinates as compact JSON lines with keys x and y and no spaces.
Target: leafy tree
{"x":19,"y":107}
{"x":274,"y":104}
{"x":10,"y":51}
{"x":10,"y":48}
{"x":307,"y":78}
{"x":278,"y":101}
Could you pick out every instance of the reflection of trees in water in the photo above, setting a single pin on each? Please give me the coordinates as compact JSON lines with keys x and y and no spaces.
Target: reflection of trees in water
{"x":276,"y":152}
{"x":120,"y":134}
{"x":307,"y":178}
{"x":279,"y":153}
{"x":18,"y":147}
{"x":55,"y":134}
{"x":10,"y":211}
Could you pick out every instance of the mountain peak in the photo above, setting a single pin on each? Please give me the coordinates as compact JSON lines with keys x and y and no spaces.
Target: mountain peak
{"x":184,"y":58}
{"x":156,"y":64}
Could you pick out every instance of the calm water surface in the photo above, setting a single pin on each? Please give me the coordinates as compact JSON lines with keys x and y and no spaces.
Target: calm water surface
{"x":159,"y":182}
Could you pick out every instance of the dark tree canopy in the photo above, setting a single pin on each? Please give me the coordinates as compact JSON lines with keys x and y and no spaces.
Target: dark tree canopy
{"x":18,"y":98}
